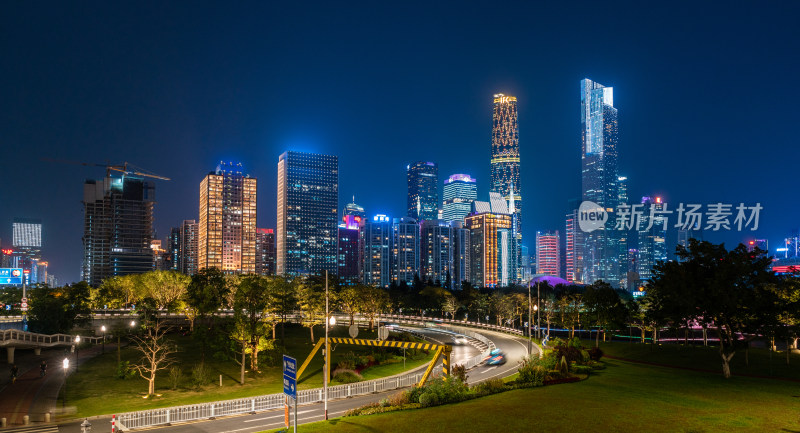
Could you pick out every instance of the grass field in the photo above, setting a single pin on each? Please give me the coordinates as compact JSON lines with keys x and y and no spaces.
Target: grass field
{"x":761,"y":363}
{"x":625,"y":397}
{"x":95,"y":390}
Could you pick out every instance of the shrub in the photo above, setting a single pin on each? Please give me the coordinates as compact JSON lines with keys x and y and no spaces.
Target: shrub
{"x":597,"y":365}
{"x":585,"y":358}
{"x":346,"y":376}
{"x":459,"y":372}
{"x":530,"y":372}
{"x":575,"y":342}
{"x":595,"y":353}
{"x":548,"y":361}
{"x":581,"y":369}
{"x":200,"y":375}
{"x":563,"y":367}
{"x":124,"y":371}
{"x":174,"y":377}
{"x":442,"y":391}
{"x":491,"y":386}
{"x":414,"y":393}
{"x":399,"y":399}
{"x":571,"y":353}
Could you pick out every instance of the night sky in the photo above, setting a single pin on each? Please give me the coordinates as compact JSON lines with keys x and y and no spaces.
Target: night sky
{"x":707,"y":94}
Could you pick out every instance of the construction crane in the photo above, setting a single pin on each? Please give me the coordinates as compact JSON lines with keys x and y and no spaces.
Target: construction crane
{"x":123,"y":168}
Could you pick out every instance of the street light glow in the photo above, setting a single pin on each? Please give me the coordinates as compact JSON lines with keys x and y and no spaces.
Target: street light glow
{"x":66,"y":364}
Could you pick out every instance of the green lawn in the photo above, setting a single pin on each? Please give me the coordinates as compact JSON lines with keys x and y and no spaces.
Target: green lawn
{"x":761,"y":364}
{"x":95,"y":390}
{"x":625,"y":397}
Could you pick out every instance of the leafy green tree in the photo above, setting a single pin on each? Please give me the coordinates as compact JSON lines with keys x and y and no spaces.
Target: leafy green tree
{"x":374,"y":301}
{"x":58,"y":310}
{"x":311,"y":300}
{"x":283,"y":299}
{"x":731,"y":292}
{"x":204,"y":296}
{"x":250,"y":301}
{"x":606,"y":307}
{"x":166,"y":288}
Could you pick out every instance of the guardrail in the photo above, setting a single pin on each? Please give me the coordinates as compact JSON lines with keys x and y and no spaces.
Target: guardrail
{"x":149,"y":418}
{"x":15,"y":336}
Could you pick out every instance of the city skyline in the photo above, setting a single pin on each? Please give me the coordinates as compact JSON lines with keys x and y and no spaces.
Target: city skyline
{"x":177,"y":118}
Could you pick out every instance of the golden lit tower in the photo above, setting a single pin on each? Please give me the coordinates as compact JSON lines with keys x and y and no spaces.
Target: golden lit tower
{"x":227,"y":226}
{"x":504,"y":173}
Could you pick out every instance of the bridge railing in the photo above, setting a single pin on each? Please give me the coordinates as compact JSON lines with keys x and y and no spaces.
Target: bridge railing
{"x":17,"y":336}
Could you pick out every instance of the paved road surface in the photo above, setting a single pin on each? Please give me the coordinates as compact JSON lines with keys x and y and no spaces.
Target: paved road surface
{"x":514,"y":347}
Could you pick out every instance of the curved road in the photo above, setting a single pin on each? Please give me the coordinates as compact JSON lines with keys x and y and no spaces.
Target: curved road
{"x":514,"y":347}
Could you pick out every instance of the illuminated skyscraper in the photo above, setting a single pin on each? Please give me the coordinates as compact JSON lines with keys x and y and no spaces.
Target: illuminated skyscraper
{"x":117,"y":227}
{"x":376,"y":241}
{"x":490,"y":243}
{"x":405,"y":250}
{"x":652,"y":235}
{"x":460,"y":190}
{"x":183,"y":247}
{"x":548,"y":253}
{"x":308,"y":198}
{"x":505,"y":169}
{"x":461,"y":258}
{"x":599,"y":180}
{"x":227,"y":225}
{"x":436,"y":242}
{"x":265,"y":251}
{"x":423,"y":190}
{"x":27,"y":236}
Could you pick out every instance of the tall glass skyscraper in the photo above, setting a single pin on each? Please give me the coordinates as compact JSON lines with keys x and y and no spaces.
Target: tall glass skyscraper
{"x":505,"y":169}
{"x":436,"y":242}
{"x":117,"y":227}
{"x":548,"y":253}
{"x":227,"y":224}
{"x":423,"y":190}
{"x":460,"y":190}
{"x":599,"y":181}
{"x":405,"y":250}
{"x":376,"y":240}
{"x":183,"y":247}
{"x":652,"y":237}
{"x":308,"y":198}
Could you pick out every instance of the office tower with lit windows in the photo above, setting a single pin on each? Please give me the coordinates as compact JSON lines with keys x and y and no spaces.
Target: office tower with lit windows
{"x":405,"y":250}
{"x":27,"y":236}
{"x":436,"y":243}
{"x":349,"y":255}
{"x":620,"y":237}
{"x":161,"y":256}
{"x":599,"y":180}
{"x":490,"y":243}
{"x":652,"y":236}
{"x":505,"y":168}
{"x":376,"y":244}
{"x":548,"y":253}
{"x":265,"y":251}
{"x":574,"y":246}
{"x":308,"y":198}
{"x":183,"y":247}
{"x":227,"y":225}
{"x":461,"y":258}
{"x":117,"y":227}
{"x":460,"y":190}
{"x":423,"y":190}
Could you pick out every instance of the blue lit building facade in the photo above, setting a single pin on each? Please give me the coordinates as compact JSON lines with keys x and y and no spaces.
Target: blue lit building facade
{"x":308,"y":198}
{"x":603,"y":249}
{"x":376,"y":244}
{"x":423,"y":190}
{"x":460,"y":190}
{"x":405,"y":250}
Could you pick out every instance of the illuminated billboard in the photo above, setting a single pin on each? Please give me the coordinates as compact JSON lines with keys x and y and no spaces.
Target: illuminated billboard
{"x":10,"y":276}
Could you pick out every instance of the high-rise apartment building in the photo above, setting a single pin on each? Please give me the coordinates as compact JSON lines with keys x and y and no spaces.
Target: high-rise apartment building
{"x":460,"y":190}
{"x":436,"y":243}
{"x":376,"y":243}
{"x":548,"y":253}
{"x":349,"y":254}
{"x":227,"y":225}
{"x":461,"y":255}
{"x":308,"y":198}
{"x":183,"y":246}
{"x":505,"y":170}
{"x":599,"y":181}
{"x":265,"y":252}
{"x":423,"y":190}
{"x":117,"y":227}
{"x":405,"y":250}
{"x":652,"y":235}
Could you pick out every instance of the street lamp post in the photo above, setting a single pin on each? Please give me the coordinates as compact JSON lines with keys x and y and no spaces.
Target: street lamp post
{"x":529,"y":320}
{"x":327,"y":347}
{"x":538,"y":316}
{"x":77,"y":345}
{"x":103,"y":328}
{"x":65,"y":363}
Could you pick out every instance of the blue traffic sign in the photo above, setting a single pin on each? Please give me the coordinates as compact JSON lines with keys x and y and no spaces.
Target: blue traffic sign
{"x":290,"y":376}
{"x":10,"y":276}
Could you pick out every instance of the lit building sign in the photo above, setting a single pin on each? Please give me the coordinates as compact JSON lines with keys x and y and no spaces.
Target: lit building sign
{"x":380,"y":218}
{"x":10,"y":276}
{"x":460,"y":177}
{"x":639,"y":293}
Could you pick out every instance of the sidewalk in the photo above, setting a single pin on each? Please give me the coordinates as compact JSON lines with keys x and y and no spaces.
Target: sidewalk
{"x":33,"y":395}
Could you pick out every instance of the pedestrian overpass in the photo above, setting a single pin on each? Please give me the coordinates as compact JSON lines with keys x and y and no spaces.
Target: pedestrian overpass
{"x":13,"y":339}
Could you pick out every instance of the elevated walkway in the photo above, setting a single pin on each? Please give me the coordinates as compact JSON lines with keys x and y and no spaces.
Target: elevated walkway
{"x":12,"y":339}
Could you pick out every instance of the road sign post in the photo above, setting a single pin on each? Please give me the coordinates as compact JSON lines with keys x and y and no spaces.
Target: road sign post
{"x":290,"y":383}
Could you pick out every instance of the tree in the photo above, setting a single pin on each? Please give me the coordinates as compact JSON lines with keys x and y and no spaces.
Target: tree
{"x":349,"y":301}
{"x":156,"y":350}
{"x":58,"y":310}
{"x":250,"y":300}
{"x":603,"y":302}
{"x":311,"y":300}
{"x":204,"y":296}
{"x":731,"y":292}
{"x":450,"y":305}
{"x":283,"y":299}
{"x":373,"y":301}
{"x":165,"y":287}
